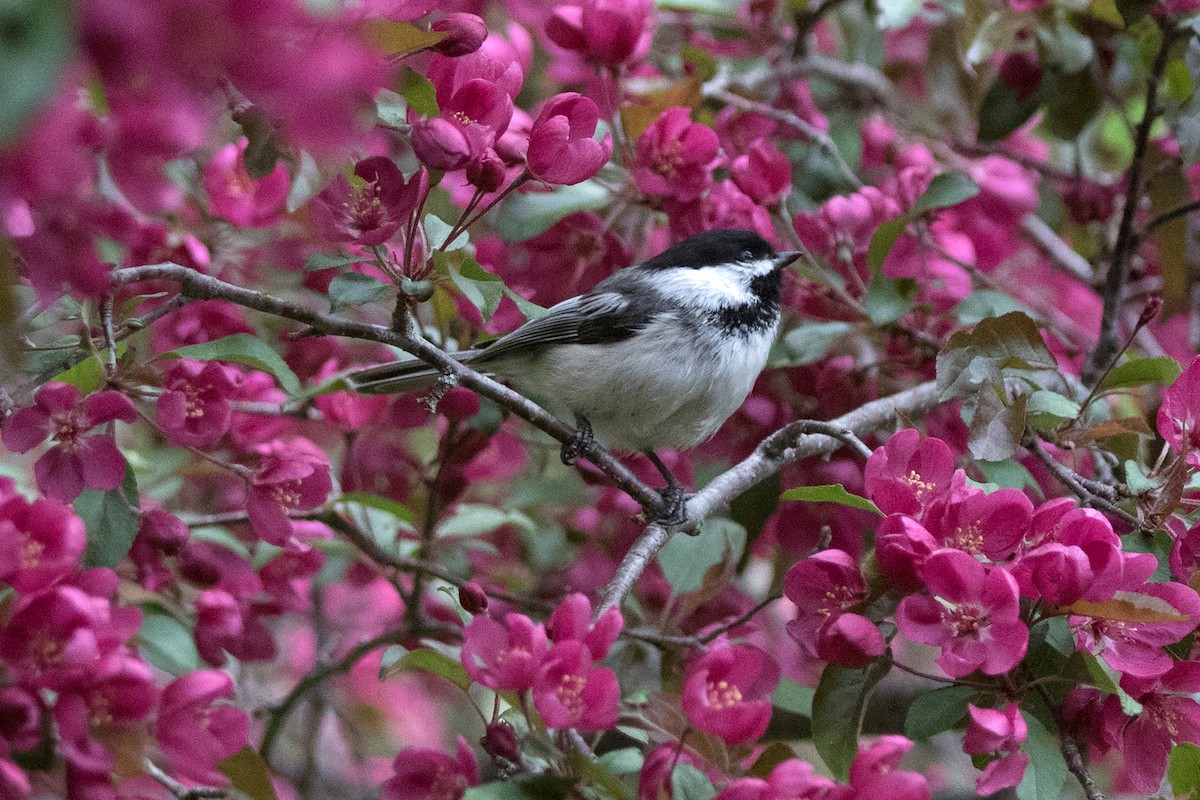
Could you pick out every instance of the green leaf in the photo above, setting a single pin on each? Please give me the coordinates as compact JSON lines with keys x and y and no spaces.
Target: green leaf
{"x":316,"y":261}
{"x":1099,"y":674}
{"x":685,"y":559}
{"x":242,"y":348}
{"x":719,"y":7}
{"x":436,"y":231}
{"x":36,"y":42}
{"x":1072,"y":101}
{"x":752,"y":508}
{"x":528,"y":309}
{"x":1141,"y":371}
{"x":385,"y":504}
{"x":166,"y":643}
{"x":981,"y":356}
{"x":689,"y":783}
{"x":810,"y":342}
{"x":1003,"y":112}
{"x":945,"y":190}
{"x":419,"y":92}
{"x":838,"y":709}
{"x":830,"y":493}
{"x":984,"y":303}
{"x":432,"y":661}
{"x":391,"y":108}
{"x":1133,"y":10}
{"x":87,"y":375}
{"x":111,"y":519}
{"x":481,"y":287}
{"x":355,"y":289}
{"x":472,"y":519}
{"x":938,"y":710}
{"x":540,"y":787}
{"x":1184,"y":770}
{"x":523,"y":216}
{"x":264,"y":142}
{"x":895,"y":14}
{"x":249,"y":774}
{"x":307,"y":182}
{"x":791,"y":696}
{"x":1007,"y":474}
{"x":1052,"y":404}
{"x":1047,"y":771}
{"x":882,"y":240}
{"x":997,"y":427}
{"x":889,"y":300}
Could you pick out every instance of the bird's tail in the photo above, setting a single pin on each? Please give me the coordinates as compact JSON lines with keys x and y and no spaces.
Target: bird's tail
{"x":399,"y":377}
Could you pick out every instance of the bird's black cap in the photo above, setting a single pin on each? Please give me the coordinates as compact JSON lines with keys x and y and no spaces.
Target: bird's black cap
{"x":713,"y":248}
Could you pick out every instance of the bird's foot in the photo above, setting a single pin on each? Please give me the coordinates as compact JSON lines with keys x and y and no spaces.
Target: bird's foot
{"x":674,"y":505}
{"x":581,"y":442}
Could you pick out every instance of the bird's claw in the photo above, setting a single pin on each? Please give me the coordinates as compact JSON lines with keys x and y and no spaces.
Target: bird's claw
{"x":674,"y":511}
{"x":581,"y":442}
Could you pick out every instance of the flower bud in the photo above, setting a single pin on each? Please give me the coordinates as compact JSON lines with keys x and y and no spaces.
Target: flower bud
{"x":472,"y":598}
{"x":440,"y":145}
{"x":464,"y":34}
{"x":500,"y":742}
{"x":486,"y":174}
{"x":459,"y":404}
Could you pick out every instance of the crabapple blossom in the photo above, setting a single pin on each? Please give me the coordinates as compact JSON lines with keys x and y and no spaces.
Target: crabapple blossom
{"x":193,"y":409}
{"x":77,"y":461}
{"x":972,"y":615}
{"x":562,"y":149}
{"x":1170,"y":715}
{"x":235,"y":196}
{"x":609,"y":33}
{"x":824,"y":588}
{"x":426,"y":774}
{"x":40,"y":541}
{"x":675,"y":157}
{"x":291,"y":476}
{"x":370,"y":209}
{"x":572,"y":620}
{"x":1179,"y":415}
{"x":874,"y":774}
{"x":196,"y":730}
{"x":507,"y":655}
{"x":725,"y":692}
{"x":791,"y":778}
{"x":571,"y":692}
{"x":999,"y":732}
{"x":909,"y":472}
{"x":464,"y":34}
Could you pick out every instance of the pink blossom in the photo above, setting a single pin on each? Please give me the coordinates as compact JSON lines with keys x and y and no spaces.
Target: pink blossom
{"x":1000,"y":733}
{"x":901,"y":546}
{"x":149,"y":131}
{"x":909,"y":472}
{"x":978,"y":523}
{"x":850,"y":640}
{"x":823,"y":587}
{"x":464,"y":34}
{"x":291,"y":476}
{"x":348,"y":410}
{"x":234,"y":195}
{"x":874,"y":774}
{"x":193,"y":409}
{"x":54,"y":636}
{"x":473,"y":118}
{"x":577,"y":251}
{"x":196,"y":731}
{"x":571,"y":692}
{"x":40,"y":542}
{"x":1135,"y":648}
{"x":20,"y":720}
{"x":790,"y":779}
{"x":726,"y":692}
{"x":610,"y":33}
{"x":76,"y":462}
{"x":1179,"y":415}
{"x":1169,"y":716}
{"x":370,"y":209}
{"x":497,"y":61}
{"x":975,"y":618}
{"x":426,"y":774}
{"x":226,"y":625}
{"x":940,"y":279}
{"x":505,"y":656}
{"x":572,"y":620}
{"x":14,"y":783}
{"x":500,"y":742}
{"x":1021,"y":72}
{"x":763,"y":173}
{"x":724,"y":206}
{"x":197,"y":322}
{"x":472,"y":598}
{"x":118,"y":690}
{"x":675,"y":157}
{"x":654,"y":781}
{"x":562,"y":149}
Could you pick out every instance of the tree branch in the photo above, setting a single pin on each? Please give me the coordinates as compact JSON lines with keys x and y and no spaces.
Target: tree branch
{"x":204,"y":287}
{"x":1091,"y":492}
{"x":787,"y":445}
{"x":1127,"y":240}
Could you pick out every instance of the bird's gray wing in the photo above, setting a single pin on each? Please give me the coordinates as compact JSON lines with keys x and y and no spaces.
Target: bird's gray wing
{"x":592,"y":318}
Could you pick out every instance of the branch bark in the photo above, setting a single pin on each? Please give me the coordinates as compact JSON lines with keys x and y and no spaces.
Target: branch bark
{"x":788,"y":444}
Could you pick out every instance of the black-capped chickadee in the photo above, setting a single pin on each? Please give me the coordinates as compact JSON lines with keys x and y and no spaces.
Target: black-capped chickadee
{"x":656,"y":355}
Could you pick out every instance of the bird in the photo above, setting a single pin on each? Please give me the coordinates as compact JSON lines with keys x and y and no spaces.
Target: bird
{"x":656,"y":355}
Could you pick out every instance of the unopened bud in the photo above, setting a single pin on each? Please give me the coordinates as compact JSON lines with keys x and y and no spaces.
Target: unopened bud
{"x":500,"y":742}
{"x":459,"y":404}
{"x":472,"y":598}
{"x":464,"y":34}
{"x":487,"y":173}
{"x":440,"y":145}
{"x":1153,"y":306}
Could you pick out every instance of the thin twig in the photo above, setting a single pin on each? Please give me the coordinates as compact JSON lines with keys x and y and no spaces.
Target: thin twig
{"x":702,"y":640}
{"x":1090,"y":492}
{"x":1168,"y":216}
{"x":820,"y":137}
{"x":787,"y":445}
{"x":1127,"y":240}
{"x":180,"y":791}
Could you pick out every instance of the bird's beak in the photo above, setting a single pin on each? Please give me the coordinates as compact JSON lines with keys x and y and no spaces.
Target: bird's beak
{"x":787,"y":257}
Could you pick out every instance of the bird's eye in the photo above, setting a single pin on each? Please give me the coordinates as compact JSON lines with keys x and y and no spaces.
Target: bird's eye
{"x":747,"y":255}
